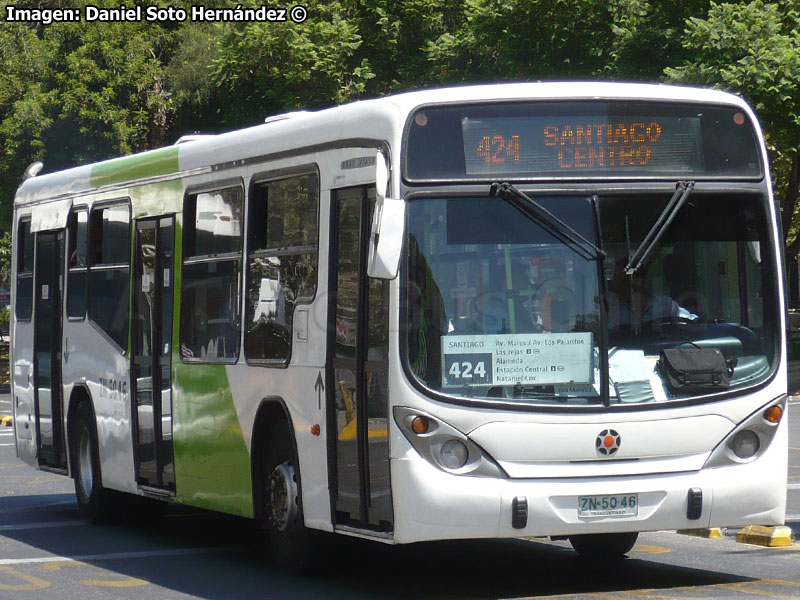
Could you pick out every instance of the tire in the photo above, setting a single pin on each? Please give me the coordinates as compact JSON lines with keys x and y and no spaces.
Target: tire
{"x":94,"y":502}
{"x":604,"y":546}
{"x":290,"y":543}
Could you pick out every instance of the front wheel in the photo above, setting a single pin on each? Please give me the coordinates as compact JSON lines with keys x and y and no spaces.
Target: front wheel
{"x":604,"y":546}
{"x":94,"y":502}
{"x":290,"y":542}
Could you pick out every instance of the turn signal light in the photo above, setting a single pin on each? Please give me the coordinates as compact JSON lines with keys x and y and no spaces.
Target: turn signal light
{"x":420,"y":424}
{"x":773,"y":414}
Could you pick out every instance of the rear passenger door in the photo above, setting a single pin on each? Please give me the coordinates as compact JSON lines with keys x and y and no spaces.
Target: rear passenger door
{"x":153,"y":274}
{"x":48,"y":402}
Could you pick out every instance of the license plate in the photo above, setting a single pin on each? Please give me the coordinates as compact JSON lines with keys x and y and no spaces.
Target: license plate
{"x":612,"y":505}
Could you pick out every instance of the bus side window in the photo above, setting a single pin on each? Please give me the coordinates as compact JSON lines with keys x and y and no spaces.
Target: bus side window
{"x":281,"y":262}
{"x":109,"y":271}
{"x":24,"y":302}
{"x":76,"y":280}
{"x":212,"y":244}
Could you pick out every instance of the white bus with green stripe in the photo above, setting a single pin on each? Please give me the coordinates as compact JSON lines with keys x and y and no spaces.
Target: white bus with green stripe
{"x":482,"y":312}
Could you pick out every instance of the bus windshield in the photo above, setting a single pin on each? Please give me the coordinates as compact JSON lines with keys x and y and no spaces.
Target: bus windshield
{"x":499,"y":309}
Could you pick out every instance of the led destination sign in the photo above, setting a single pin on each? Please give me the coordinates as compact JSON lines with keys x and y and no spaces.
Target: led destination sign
{"x":578,"y":139}
{"x":549,"y":144}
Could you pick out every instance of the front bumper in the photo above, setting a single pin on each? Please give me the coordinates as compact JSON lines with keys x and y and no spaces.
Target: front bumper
{"x":430,"y":504}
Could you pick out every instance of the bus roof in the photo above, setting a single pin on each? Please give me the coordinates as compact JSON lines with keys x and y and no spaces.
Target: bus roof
{"x":377,"y":119}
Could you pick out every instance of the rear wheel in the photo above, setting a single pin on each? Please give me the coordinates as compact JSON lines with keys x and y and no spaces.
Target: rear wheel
{"x":289,"y":541}
{"x":93,"y":501}
{"x":604,"y":546}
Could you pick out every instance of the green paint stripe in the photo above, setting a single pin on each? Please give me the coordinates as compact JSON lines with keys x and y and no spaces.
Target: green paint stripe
{"x":138,"y":166}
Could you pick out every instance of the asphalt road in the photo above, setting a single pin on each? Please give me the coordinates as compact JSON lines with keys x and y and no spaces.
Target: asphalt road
{"x":48,"y":552}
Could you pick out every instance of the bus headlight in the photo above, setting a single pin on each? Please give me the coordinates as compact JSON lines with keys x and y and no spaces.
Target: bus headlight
{"x":454,"y":454}
{"x":750,"y":437}
{"x":443,"y":445}
{"x":745,"y":444}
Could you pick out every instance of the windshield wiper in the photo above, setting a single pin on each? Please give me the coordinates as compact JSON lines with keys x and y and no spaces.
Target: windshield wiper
{"x":547,"y":221}
{"x":682,"y":191}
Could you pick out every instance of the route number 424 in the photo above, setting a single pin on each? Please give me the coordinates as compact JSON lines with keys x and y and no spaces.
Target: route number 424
{"x":497,"y":149}
{"x":467,"y":370}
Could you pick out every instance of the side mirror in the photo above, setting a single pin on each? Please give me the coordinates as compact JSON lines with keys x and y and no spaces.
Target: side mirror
{"x":388,"y":227}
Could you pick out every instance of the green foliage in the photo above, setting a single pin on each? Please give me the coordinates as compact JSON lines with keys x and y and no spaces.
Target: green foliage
{"x":110,"y":89}
{"x":397,"y":37}
{"x":524,"y":39}
{"x":266,"y":68}
{"x":188,"y":76}
{"x":5,"y":258}
{"x":73,"y":93}
{"x":648,"y":37}
{"x":753,"y":49}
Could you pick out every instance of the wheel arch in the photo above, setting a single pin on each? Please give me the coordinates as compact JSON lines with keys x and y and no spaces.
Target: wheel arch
{"x":271,"y":411}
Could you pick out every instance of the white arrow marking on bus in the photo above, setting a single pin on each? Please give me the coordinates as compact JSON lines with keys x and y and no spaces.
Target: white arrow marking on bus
{"x":319,"y":387}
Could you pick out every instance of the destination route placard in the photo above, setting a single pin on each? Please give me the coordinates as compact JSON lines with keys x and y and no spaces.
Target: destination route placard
{"x":509,"y":359}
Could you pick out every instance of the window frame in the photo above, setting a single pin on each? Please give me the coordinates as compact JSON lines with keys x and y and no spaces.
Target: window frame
{"x":70,"y":269}
{"x":194,"y":191}
{"x":91,"y":266}
{"x":265,"y":179}
{"x":19,"y":265}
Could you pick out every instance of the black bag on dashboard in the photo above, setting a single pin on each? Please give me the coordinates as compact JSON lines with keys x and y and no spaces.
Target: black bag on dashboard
{"x":688,"y":369}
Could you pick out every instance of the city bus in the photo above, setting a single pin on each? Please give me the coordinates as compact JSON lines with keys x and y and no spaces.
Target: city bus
{"x":497,"y":311}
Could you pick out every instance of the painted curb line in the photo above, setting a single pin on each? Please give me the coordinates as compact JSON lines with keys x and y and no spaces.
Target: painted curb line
{"x":6,"y":420}
{"x":714,"y":533}
{"x":769,"y":537}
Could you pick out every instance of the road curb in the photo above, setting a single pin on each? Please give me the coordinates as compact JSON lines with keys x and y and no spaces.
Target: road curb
{"x":769,"y":537}
{"x":714,"y":533}
{"x":6,"y":420}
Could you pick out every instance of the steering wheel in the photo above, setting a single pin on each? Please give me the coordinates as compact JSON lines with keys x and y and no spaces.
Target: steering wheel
{"x":676,"y":320}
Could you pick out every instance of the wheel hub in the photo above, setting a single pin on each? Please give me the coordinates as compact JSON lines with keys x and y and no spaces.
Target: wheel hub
{"x":282,"y":507}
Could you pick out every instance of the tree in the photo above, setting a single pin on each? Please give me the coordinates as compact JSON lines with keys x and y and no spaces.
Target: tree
{"x":648,"y":36}
{"x":753,"y":49}
{"x":25,"y":108}
{"x":73,"y":93}
{"x":523,"y":40}
{"x":267,"y":68}
{"x":397,"y":37}
{"x":188,"y":77}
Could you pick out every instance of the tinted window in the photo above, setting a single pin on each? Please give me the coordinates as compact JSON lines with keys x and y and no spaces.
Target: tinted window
{"x":210,"y":315}
{"x":282,"y":262}
{"x":111,"y":235}
{"x":109,"y":274}
{"x":76,"y":281}
{"x":213,"y":222}
{"x":24,"y":298}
